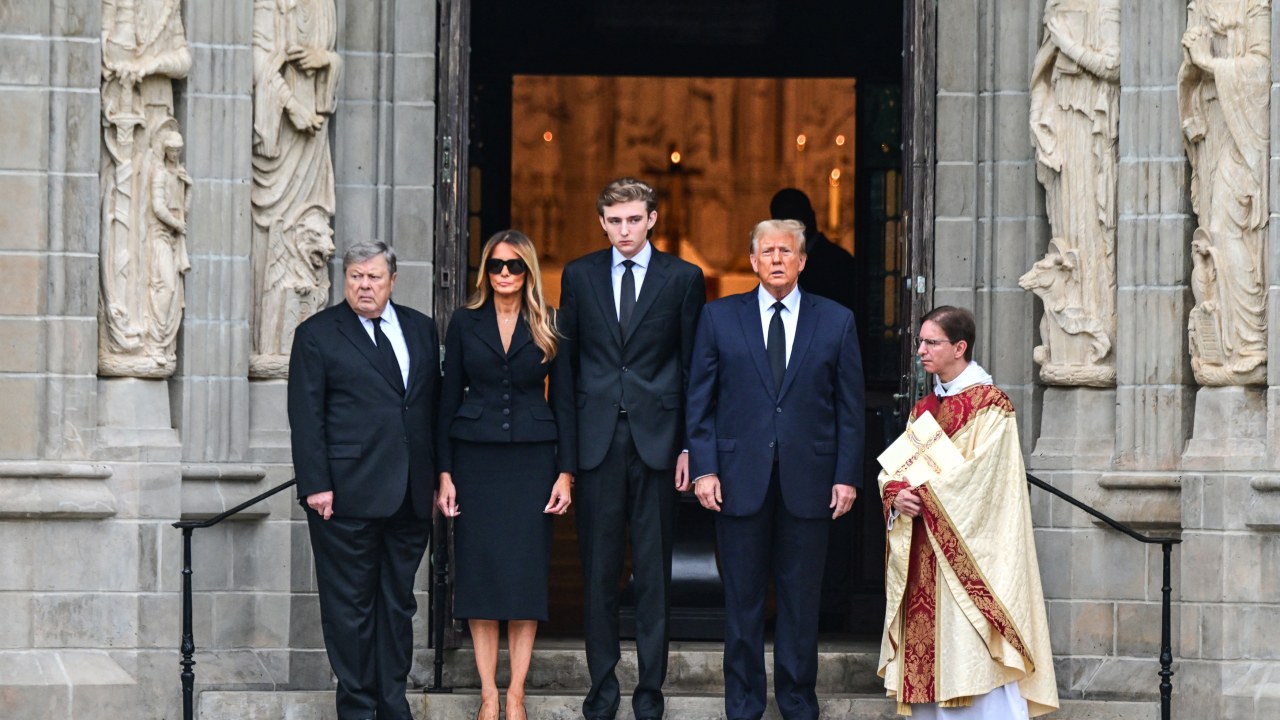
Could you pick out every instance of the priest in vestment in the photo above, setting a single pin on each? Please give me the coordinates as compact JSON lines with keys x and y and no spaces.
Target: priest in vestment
{"x":966,"y":635}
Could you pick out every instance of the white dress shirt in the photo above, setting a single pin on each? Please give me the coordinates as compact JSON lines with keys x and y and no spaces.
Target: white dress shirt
{"x":790,"y":314}
{"x":391,"y":328}
{"x":641,"y":261}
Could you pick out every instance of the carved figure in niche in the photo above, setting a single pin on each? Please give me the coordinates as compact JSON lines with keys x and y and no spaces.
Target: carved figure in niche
{"x":167,"y":244}
{"x":1223,"y":100}
{"x":295,"y":287}
{"x":1076,"y":336}
{"x":1075,"y":91}
{"x":1204,"y":327}
{"x":296,"y":78}
{"x":144,"y":188}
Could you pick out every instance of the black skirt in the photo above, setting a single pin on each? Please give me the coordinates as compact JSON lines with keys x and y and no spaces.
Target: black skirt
{"x":502,"y":539}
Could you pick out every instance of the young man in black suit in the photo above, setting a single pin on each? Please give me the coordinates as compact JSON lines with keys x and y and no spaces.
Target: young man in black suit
{"x":775,"y":444}
{"x":363,"y":383}
{"x":629,"y":314}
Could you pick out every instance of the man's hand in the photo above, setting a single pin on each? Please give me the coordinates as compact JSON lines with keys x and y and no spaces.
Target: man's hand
{"x":322,"y":503}
{"x":707,"y":489}
{"x":842,"y":497}
{"x":682,"y":471}
{"x":907,"y":502}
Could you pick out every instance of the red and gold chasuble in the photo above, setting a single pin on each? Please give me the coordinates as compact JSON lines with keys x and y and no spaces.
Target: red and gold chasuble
{"x":965,"y":609}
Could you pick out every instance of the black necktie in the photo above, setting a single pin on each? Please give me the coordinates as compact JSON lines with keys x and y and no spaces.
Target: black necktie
{"x":777,"y":346}
{"x":387,"y":352}
{"x":627,"y":299}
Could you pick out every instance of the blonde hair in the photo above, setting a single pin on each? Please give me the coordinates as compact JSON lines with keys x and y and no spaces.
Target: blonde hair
{"x":794,"y":228}
{"x":533,"y":306}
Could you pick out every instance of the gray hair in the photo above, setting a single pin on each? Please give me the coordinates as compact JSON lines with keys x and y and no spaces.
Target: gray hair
{"x":794,"y":228}
{"x":367,"y":249}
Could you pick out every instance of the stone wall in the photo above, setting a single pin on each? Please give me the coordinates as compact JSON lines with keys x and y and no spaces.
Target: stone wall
{"x":94,"y":470}
{"x":1157,"y":451}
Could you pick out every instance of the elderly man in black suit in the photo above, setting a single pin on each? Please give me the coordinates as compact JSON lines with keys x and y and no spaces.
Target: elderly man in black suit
{"x":628,"y":314}
{"x":363,"y":383}
{"x":775,"y":444}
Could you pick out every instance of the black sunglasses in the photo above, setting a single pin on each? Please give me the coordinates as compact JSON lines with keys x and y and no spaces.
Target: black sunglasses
{"x":494,"y":266}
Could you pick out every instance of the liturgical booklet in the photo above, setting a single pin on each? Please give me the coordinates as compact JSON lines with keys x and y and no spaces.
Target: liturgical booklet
{"x":920,"y":454}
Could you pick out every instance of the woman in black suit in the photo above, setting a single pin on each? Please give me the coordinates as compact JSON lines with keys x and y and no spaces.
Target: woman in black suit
{"x":507,"y":456}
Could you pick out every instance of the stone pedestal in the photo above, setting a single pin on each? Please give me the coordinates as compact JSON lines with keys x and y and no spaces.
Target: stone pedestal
{"x":1229,"y":432}
{"x":134,"y":420}
{"x":269,"y":421}
{"x":1078,"y":429}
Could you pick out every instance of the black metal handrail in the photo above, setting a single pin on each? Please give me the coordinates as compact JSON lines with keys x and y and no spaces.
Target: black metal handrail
{"x":1166,"y":546}
{"x":188,"y":638}
{"x":439,"y":599}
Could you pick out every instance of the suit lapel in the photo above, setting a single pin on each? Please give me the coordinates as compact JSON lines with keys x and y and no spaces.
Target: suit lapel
{"x":601,"y":280}
{"x":752,"y":333}
{"x":354,"y":331}
{"x":520,"y":337}
{"x":806,"y":324}
{"x":409,"y":328}
{"x":486,"y":327}
{"x":655,"y":277}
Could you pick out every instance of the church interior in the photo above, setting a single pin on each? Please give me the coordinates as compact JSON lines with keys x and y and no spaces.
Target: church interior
{"x":718,"y":105}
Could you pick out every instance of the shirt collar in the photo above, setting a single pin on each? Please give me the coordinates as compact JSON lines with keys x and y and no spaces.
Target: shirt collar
{"x":641,"y":259}
{"x":790,"y":302}
{"x":389,"y":318}
{"x":973,"y":374}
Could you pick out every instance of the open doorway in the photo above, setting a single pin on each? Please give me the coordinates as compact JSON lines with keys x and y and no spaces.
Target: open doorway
{"x":718,"y":104}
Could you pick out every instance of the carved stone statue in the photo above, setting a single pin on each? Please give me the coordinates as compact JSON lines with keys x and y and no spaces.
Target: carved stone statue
{"x":1075,"y":91}
{"x":1078,"y":339}
{"x":295,"y":287}
{"x":296,"y":79}
{"x":166,"y":239}
{"x":145,"y":190}
{"x":1223,"y":100}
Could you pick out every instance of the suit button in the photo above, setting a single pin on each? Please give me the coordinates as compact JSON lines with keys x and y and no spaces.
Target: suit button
{"x":505,"y":382}
{"x":771,"y":443}
{"x":506,"y":411}
{"x":506,"y":368}
{"x":779,"y":409}
{"x":506,"y":426}
{"x":404,"y":439}
{"x":506,"y":396}
{"x":624,"y":368}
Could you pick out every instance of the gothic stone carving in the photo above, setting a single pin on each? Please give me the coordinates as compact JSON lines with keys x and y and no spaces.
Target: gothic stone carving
{"x":1223,"y":100}
{"x":145,"y":190}
{"x":1075,"y":90}
{"x":296,"y":78}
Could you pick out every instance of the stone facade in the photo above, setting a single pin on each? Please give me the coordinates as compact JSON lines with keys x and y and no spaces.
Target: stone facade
{"x":93,"y":470}
{"x":1158,"y":451}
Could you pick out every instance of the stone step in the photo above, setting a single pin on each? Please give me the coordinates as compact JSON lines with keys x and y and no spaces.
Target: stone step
{"x":462,"y":705}
{"x":692,"y":667}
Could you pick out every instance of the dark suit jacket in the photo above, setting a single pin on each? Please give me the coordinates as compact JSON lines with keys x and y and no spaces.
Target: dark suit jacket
{"x":735,"y":417}
{"x":353,"y":431}
{"x":491,"y":395}
{"x":649,"y":366}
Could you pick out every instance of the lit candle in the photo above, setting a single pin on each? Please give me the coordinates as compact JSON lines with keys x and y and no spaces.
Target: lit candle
{"x":833,"y":201}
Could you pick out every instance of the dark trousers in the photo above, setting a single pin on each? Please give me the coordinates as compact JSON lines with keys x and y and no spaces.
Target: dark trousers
{"x":622,"y":498}
{"x":365,"y":571}
{"x":796,"y":550}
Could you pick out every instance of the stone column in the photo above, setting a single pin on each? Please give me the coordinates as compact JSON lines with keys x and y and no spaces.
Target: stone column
{"x":68,"y":583}
{"x":1154,"y":384}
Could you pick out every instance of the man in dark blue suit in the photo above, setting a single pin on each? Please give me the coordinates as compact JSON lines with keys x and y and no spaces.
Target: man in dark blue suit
{"x":364,"y":380}
{"x":775,"y":418}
